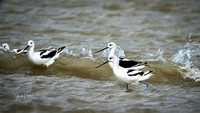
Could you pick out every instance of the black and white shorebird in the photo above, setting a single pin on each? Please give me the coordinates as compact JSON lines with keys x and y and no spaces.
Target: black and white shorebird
{"x":128,"y":76}
{"x":43,"y":57}
{"x":17,"y":51}
{"x":123,"y":62}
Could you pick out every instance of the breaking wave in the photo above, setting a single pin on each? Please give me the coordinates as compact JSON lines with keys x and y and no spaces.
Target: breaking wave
{"x":189,"y":58}
{"x":186,"y":59}
{"x":155,"y":56}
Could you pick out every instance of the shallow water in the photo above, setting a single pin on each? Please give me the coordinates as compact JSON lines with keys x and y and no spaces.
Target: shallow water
{"x":163,"y":33}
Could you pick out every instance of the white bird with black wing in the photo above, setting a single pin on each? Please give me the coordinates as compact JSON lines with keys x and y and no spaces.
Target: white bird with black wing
{"x":17,"y":51}
{"x":123,"y":62}
{"x":128,"y":76}
{"x":43,"y":57}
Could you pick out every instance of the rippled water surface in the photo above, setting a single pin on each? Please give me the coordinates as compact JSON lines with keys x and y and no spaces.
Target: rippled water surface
{"x":166,"y":34}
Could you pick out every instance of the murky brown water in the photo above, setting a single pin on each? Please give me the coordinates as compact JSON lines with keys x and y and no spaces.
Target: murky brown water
{"x":163,"y":33}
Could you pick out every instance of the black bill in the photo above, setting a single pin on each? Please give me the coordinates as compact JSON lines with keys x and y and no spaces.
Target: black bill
{"x":102,"y":64}
{"x":26,"y":48}
{"x":101,"y":50}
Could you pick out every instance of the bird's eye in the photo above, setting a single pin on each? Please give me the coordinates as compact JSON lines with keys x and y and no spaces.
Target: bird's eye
{"x":110,"y":44}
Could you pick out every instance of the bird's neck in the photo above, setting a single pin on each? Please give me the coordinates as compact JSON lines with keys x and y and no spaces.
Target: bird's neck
{"x":8,"y":48}
{"x":116,"y":64}
{"x":112,"y":52}
{"x":31,"y":50}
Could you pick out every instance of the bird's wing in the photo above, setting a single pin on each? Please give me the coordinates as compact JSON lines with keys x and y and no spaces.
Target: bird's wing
{"x":124,"y":59}
{"x":127,"y":64}
{"x":48,"y":54}
{"x":136,"y":74}
{"x":132,"y":71}
{"x":61,"y":49}
{"x":130,"y":63}
{"x":19,"y":51}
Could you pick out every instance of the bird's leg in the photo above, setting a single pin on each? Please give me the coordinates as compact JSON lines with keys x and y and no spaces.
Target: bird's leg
{"x":127,"y":87}
{"x":147,"y":85}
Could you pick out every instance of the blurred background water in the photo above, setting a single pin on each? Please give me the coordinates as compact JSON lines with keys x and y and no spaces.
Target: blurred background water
{"x":163,"y":33}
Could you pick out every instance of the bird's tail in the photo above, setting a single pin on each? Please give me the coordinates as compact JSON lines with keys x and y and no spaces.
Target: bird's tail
{"x":143,"y":63}
{"x":148,"y":72}
{"x":146,"y":75}
{"x":61,"y":49}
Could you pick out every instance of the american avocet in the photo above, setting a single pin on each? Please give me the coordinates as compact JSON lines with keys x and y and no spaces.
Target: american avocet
{"x":17,"y":51}
{"x":43,"y":57}
{"x":123,"y":62}
{"x":6,"y":47}
{"x":128,"y":75}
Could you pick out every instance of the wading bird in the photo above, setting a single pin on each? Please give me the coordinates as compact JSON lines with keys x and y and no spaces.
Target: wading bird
{"x":17,"y":51}
{"x":43,"y":57}
{"x":123,"y":62}
{"x":128,"y":76}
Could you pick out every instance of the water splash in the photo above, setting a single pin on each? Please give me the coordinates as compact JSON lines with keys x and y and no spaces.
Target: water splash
{"x":1,"y":48}
{"x":190,"y":72}
{"x":119,"y":53}
{"x":105,"y":53}
{"x":157,"y":56}
{"x":87,"y":53}
{"x":84,"y":53}
{"x":190,"y":60}
{"x":181,"y":57}
{"x":69,"y":52}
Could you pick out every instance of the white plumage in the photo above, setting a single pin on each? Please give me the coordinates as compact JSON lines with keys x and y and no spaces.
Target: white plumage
{"x":17,"y":51}
{"x":43,"y":57}
{"x":123,"y":62}
{"x":128,"y":76}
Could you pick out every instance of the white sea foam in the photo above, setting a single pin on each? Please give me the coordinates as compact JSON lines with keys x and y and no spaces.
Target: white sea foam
{"x":87,"y":53}
{"x":84,"y":53}
{"x":189,"y":58}
{"x":1,"y":47}
{"x":119,"y":52}
{"x":156,"y":56}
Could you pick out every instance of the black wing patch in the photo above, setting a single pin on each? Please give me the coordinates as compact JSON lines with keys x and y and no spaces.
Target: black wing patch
{"x":19,"y":50}
{"x":121,"y":58}
{"x":127,"y":64}
{"x":139,"y":73}
{"x":131,"y":70}
{"x":42,"y":52}
{"x":131,"y":63}
{"x":50,"y":55}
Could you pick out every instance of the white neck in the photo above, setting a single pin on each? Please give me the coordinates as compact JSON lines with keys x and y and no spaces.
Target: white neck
{"x":116,"y":63}
{"x":31,"y":50}
{"x":8,"y":48}
{"x":112,"y":52}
